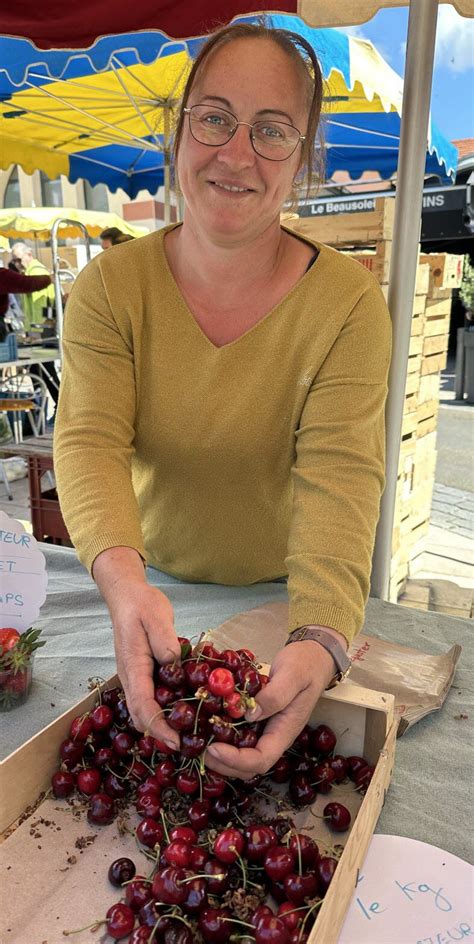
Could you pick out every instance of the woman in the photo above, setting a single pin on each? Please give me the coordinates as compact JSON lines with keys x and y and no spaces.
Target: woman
{"x":237,"y":374}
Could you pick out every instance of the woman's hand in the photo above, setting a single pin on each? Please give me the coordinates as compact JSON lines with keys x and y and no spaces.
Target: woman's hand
{"x":299,"y":675}
{"x":142,"y":620}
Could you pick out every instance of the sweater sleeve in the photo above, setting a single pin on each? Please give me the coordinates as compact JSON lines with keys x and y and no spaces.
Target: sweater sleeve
{"x":22,"y":284}
{"x":94,"y":429}
{"x":338,"y":475}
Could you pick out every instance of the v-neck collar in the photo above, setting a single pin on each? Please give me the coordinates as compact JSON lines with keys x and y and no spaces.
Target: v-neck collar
{"x":262,"y":321}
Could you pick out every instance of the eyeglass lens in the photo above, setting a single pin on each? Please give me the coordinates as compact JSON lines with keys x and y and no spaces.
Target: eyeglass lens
{"x":274,"y":140}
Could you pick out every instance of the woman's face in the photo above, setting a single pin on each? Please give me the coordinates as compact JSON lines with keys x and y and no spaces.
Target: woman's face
{"x":254,"y":79}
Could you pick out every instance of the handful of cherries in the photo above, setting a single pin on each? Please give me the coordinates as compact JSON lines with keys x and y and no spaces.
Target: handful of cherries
{"x":215,"y":861}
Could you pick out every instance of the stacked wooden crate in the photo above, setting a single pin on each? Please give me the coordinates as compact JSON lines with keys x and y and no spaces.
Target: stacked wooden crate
{"x":368,"y":238}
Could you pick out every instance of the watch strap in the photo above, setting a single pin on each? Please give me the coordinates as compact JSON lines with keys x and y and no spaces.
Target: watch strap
{"x":328,"y":642}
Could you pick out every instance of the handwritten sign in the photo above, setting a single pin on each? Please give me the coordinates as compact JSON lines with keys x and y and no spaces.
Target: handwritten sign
{"x":23,"y":577}
{"x":409,"y":892}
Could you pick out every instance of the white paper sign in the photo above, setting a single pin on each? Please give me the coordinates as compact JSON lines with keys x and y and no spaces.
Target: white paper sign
{"x":409,"y":892}
{"x":23,"y":577}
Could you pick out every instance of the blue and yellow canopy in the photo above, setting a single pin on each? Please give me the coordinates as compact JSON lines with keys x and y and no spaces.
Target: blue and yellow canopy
{"x":106,"y":114}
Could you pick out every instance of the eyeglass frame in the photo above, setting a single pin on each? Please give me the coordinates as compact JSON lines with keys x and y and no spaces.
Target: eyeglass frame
{"x":301,"y":137}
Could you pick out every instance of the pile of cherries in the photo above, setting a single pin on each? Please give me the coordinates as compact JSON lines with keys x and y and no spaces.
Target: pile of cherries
{"x":214,"y":858}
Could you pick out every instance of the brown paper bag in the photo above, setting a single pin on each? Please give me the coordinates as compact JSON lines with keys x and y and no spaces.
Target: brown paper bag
{"x":418,"y":681}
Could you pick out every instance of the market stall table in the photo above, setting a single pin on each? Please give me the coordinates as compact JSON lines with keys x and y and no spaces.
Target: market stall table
{"x":428,"y":795}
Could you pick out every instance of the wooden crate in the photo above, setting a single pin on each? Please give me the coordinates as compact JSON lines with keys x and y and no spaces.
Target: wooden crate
{"x":445,"y":271}
{"x":365,"y":722}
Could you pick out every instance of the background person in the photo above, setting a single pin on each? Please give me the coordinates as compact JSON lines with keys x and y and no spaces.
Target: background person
{"x":34,"y":302}
{"x":112,"y":237}
{"x":12,"y":282}
{"x":222,"y":409}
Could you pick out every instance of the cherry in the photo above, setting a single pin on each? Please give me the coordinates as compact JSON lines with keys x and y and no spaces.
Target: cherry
{"x":165,"y":772}
{"x":221,"y":682}
{"x":182,"y":716}
{"x":278,"y":863}
{"x":323,"y":777}
{"x":164,"y":696}
{"x":245,"y":737}
{"x":260,"y":839}
{"x":63,"y":783}
{"x":363,"y":777}
{"x":198,"y":814}
{"x":140,"y":935}
{"x":325,"y":868}
{"x":71,"y":752}
{"x":123,"y":743}
{"x":191,"y":745}
{"x":302,"y":742}
{"x":81,"y":728}
{"x":198,"y":858}
{"x":196,"y":673}
{"x":277,"y":891}
{"x":282,"y":825}
{"x":88,"y":780}
{"x":150,"y":916}
{"x":259,"y":912}
{"x":298,"y":887}
{"x":340,"y":766}
{"x":223,"y":731}
{"x":196,"y":896}
{"x":101,"y":809}
{"x":303,"y":765}
{"x":149,"y":804}
{"x":178,"y":853}
{"x":234,"y":705}
{"x":281,"y":770}
{"x":146,"y":746}
{"x":184,"y":834}
{"x":177,"y":933}
{"x":355,"y":763}
{"x":121,"y":713}
{"x":103,"y":757}
{"x":137,"y":770}
{"x":305,"y":848}
{"x":290,"y":917}
{"x":338,"y":815}
{"x":101,"y":718}
{"x":248,"y":679}
{"x":301,"y":790}
{"x":323,"y":739}
{"x":215,"y":925}
{"x":162,"y":747}
{"x":231,"y":659}
{"x":213,"y":785}
{"x":119,"y":920}
{"x":188,"y":781}
{"x":138,"y":893}
{"x":229,"y":845}
{"x":222,"y":808}
{"x":169,"y":886}
{"x":211,"y":704}
{"x":150,"y":832}
{"x":271,"y":930}
{"x":218,"y":880}
{"x":115,"y":787}
{"x":172,"y":675}
{"x":210,"y":653}
{"x":246,"y":655}
{"x":112,"y":696}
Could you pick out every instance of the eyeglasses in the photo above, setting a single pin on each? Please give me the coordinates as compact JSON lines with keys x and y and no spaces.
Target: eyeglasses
{"x":274,"y":140}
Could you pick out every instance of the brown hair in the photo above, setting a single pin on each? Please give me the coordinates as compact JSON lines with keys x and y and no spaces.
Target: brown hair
{"x":311,"y":172}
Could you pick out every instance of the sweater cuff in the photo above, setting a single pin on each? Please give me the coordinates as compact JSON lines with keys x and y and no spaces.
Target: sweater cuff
{"x":107,"y":540}
{"x":324,"y":614}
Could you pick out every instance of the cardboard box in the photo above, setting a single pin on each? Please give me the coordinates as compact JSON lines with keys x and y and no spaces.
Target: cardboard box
{"x":67,"y":889}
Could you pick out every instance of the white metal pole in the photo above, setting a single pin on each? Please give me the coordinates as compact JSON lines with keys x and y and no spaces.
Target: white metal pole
{"x":166,"y":168}
{"x":404,"y":260}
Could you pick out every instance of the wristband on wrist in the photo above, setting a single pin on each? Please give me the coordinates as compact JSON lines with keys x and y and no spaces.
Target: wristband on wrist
{"x":327,"y":641}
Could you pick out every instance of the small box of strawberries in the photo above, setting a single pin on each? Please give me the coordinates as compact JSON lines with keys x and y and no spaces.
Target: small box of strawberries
{"x":17,"y":653}
{"x":23,"y":581}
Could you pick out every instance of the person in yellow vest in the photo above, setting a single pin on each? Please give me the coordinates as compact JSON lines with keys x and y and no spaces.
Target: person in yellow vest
{"x":33,"y":303}
{"x":221,"y":415}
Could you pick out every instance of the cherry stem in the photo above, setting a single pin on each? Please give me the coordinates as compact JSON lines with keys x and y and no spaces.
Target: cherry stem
{"x":165,"y":826}
{"x":94,"y":927}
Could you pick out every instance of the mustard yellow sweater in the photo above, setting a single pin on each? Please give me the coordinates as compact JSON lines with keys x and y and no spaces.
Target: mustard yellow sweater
{"x":227,"y":465}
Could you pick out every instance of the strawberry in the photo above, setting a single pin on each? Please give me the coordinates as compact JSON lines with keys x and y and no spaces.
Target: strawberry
{"x":16,"y":667}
